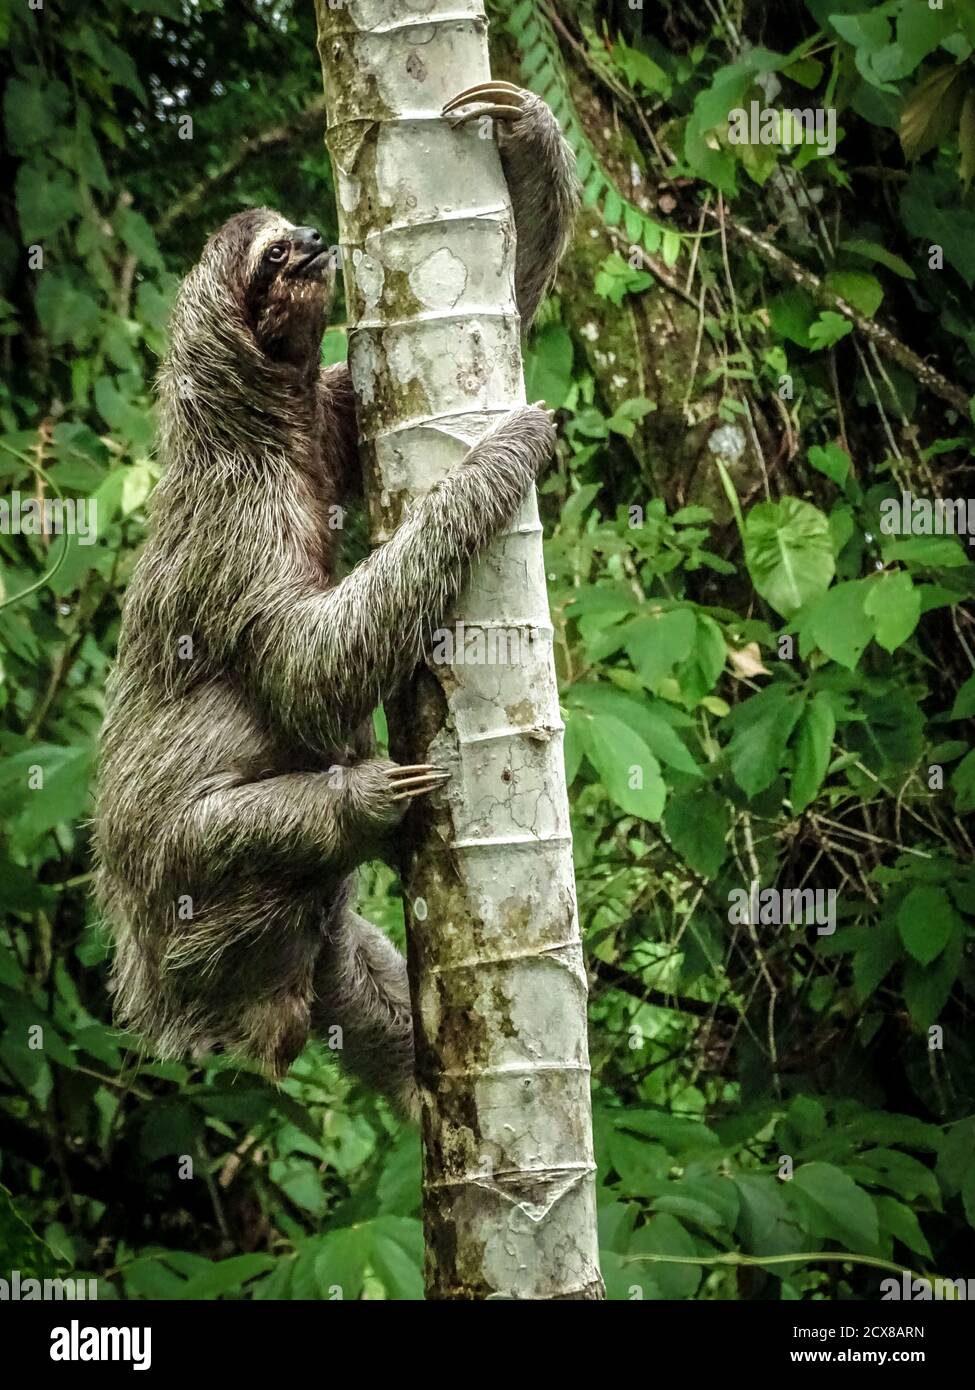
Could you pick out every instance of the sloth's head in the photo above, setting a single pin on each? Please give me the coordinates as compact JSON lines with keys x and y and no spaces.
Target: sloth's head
{"x":279,"y":278}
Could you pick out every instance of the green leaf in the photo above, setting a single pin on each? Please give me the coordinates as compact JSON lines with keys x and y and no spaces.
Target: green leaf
{"x":612,"y":207}
{"x":814,"y":743}
{"x":633,"y":224}
{"x":664,"y":1235}
{"x":762,"y":726}
{"x":871,"y":251}
{"x":576,"y":509}
{"x":963,"y":784}
{"x":139,"y":237}
{"x":113,"y":60}
{"x":32,"y":111}
{"x":889,"y":735}
{"x":47,"y":785}
{"x":616,"y":278}
{"x":928,"y":211}
{"x":593,"y":187}
{"x":792,"y":315}
{"x":789,"y":553}
{"x":304,"y":1284}
{"x":807,"y":72}
{"x":119,"y":342}
{"x":66,"y":314}
{"x":574,"y":743}
{"x":901,"y":1223}
{"x":927,"y":987}
{"x":929,"y":552}
{"x":682,"y":1137}
{"x":903,"y":1174}
{"x":869,"y":31}
{"x":170,"y":1127}
{"x":968,"y":1197}
{"x":302,"y":1184}
{"x":927,"y":921}
{"x":122,"y":415}
{"x":711,"y":107}
{"x":864,"y":292}
{"x":767,"y":1223}
{"x":226,"y":1276}
{"x":626,"y":767}
{"x":46,"y":201}
{"x":840,"y":1209}
{"x":828,"y":329}
{"x":922,"y":28}
{"x":894,"y":604}
{"x":643,"y":717}
{"x":964,"y":705}
{"x":838,"y":624}
{"x":548,"y":366}
{"x":152,"y":1278}
{"x":875,"y":958}
{"x":831,"y":460}
{"x":627,"y":413}
{"x":956,"y":1154}
{"x":639,"y":1163}
{"x":640,"y":70}
{"x":340,"y":1263}
{"x":612,"y":600}
{"x":657,"y":642}
{"x":671,"y":249}
{"x":396,"y":1255}
{"x":697,"y":823}
{"x":699,"y":673}
{"x":20,"y":890}
{"x":153,"y":309}
{"x":399,"y":1183}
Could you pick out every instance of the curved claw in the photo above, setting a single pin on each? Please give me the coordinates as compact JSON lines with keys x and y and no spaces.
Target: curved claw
{"x":504,"y":94}
{"x":416,"y":779}
{"x":419,"y":788}
{"x":503,"y":113}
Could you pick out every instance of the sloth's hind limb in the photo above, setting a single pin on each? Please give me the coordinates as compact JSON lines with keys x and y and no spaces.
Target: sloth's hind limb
{"x":361,"y":989}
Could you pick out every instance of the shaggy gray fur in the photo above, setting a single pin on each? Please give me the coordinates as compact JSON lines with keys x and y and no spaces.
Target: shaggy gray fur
{"x":236,"y":796}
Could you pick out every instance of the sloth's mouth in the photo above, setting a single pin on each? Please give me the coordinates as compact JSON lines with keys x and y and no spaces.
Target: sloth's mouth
{"x":312,"y":265}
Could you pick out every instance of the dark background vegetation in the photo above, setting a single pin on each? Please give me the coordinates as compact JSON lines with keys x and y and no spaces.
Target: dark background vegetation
{"x":794,"y":686}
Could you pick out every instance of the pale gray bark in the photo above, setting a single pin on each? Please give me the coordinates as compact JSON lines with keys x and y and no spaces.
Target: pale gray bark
{"x":496,"y":968}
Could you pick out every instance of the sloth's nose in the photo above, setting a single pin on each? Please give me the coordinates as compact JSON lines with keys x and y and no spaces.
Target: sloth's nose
{"x":307,"y":238}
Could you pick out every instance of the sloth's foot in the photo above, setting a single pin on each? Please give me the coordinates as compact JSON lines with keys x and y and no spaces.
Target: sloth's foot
{"x":502,"y":101}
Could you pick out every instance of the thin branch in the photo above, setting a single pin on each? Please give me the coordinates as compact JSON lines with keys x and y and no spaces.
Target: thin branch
{"x":266,"y":140}
{"x":928,"y":376}
{"x":619,"y":979}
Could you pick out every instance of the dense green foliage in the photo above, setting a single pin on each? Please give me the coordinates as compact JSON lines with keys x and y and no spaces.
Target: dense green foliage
{"x":761,"y":684}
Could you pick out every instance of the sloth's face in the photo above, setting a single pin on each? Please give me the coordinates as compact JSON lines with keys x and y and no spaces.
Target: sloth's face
{"x":288,"y":284}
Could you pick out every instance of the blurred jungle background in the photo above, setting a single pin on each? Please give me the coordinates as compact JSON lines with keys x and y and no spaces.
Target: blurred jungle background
{"x":751,"y":348}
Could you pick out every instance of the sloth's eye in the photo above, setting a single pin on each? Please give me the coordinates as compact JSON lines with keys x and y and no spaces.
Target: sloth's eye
{"x":277,"y":253}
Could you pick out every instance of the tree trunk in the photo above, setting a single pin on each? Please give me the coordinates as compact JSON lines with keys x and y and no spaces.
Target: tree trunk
{"x":497,"y":975}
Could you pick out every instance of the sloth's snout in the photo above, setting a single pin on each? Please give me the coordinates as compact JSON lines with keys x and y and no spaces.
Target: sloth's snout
{"x":307,"y":240}
{"x":310,"y":258}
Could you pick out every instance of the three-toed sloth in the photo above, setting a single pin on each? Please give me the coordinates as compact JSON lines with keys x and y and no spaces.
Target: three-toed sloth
{"x":236,"y":794}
